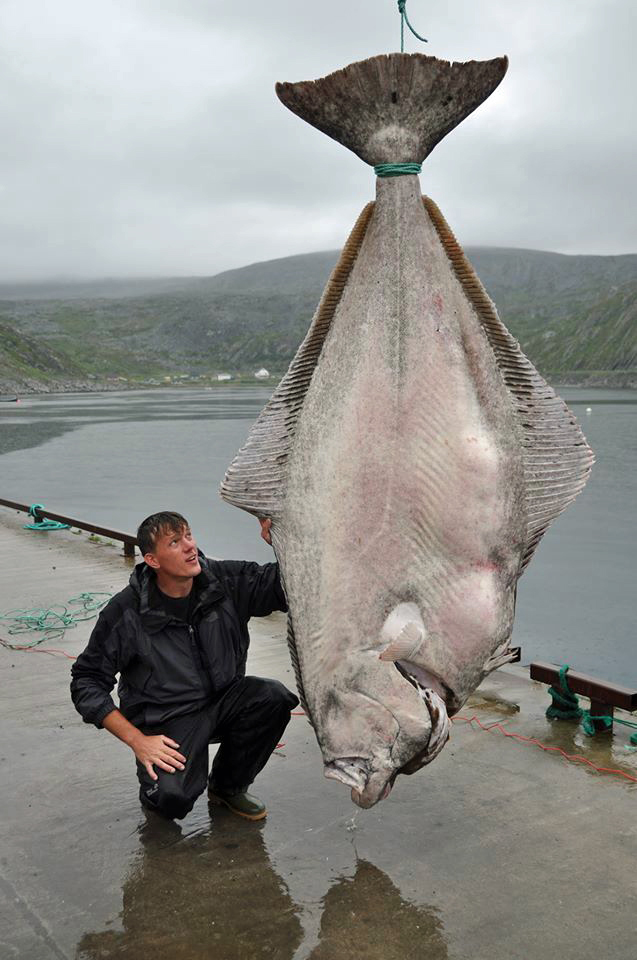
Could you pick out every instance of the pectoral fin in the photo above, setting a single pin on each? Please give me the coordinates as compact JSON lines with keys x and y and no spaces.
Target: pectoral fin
{"x":403,"y":633}
{"x":406,"y":643}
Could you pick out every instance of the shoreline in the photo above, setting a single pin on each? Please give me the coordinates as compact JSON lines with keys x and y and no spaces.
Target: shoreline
{"x":617,"y":381}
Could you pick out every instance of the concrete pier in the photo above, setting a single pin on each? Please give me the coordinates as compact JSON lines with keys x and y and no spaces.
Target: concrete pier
{"x":497,"y":851}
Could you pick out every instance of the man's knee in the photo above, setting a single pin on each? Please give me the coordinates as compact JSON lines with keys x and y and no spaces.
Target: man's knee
{"x":273,"y":695}
{"x":166,"y":797}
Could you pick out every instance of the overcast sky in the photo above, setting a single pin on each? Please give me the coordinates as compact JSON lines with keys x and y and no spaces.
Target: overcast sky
{"x":144,"y":137}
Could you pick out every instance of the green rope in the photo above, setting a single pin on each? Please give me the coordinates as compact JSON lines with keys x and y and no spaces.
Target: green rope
{"x":565,"y":703}
{"x":52,"y":622}
{"x":396,"y":169}
{"x":404,"y":19}
{"x":41,"y":522}
{"x":565,"y":706}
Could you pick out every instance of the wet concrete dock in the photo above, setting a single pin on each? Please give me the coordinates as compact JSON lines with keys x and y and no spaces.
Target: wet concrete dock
{"x":497,"y":851}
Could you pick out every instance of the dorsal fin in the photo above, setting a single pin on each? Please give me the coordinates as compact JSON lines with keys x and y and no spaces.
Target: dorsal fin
{"x":557,"y":459}
{"x":255,"y":479}
{"x":294,"y":657}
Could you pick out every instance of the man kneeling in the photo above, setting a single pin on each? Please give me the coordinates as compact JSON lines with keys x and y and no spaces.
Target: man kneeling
{"x":178,"y":637}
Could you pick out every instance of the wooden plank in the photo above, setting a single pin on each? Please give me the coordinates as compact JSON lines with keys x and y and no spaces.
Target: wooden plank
{"x":595,"y":690}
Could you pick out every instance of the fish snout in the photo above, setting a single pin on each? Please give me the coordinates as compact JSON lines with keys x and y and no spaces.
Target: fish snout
{"x":371,"y":783}
{"x":368,"y":785}
{"x":378,"y":788}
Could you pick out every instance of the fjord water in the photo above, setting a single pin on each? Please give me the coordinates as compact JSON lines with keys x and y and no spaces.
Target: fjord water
{"x":114,"y":458}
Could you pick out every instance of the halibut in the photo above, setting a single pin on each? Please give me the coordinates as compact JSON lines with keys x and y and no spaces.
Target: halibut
{"x":412,"y":457}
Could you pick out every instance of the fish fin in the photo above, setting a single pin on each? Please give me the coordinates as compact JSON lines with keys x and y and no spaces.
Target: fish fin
{"x":405,"y":644}
{"x":557,"y":459}
{"x":396,"y":107}
{"x":504,"y":654}
{"x":294,"y":657}
{"x":255,"y":479}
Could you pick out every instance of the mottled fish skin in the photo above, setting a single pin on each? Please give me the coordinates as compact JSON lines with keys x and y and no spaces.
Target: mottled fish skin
{"x":410,"y":459}
{"x":405,"y":484}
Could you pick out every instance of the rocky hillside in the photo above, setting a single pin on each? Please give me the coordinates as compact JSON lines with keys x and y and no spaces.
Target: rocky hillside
{"x":575,"y":316}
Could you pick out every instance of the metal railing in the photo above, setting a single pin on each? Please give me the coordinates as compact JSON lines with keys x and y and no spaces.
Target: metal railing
{"x":129,"y":541}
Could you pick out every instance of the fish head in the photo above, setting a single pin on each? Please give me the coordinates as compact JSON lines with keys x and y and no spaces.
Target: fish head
{"x":377,"y":726}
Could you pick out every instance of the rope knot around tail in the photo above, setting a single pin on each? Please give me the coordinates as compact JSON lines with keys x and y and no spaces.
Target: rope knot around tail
{"x":397,"y":169}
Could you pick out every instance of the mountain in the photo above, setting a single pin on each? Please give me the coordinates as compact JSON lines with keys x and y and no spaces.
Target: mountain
{"x":575,"y":317}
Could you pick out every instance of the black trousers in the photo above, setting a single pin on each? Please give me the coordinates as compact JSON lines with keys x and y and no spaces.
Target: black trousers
{"x":247,"y":721}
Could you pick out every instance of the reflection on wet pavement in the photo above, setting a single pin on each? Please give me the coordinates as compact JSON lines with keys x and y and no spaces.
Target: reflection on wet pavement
{"x":214,"y":893}
{"x":211,"y":894}
{"x":365,"y":917}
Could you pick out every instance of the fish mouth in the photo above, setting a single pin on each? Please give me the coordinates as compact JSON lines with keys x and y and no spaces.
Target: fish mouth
{"x":368,"y":785}
{"x":354,"y":772}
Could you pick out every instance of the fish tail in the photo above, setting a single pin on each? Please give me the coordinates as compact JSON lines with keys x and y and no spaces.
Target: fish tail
{"x":396,"y":107}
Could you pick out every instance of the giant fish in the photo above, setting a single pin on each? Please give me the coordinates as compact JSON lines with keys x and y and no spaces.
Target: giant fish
{"x":412,"y":457}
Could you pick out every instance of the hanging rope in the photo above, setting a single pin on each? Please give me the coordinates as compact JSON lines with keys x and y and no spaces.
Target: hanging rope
{"x":52,"y":622}
{"x":565,"y":706}
{"x":404,"y":19}
{"x":40,"y":522}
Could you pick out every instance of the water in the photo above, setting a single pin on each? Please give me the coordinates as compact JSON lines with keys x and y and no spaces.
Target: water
{"x":114,"y":458}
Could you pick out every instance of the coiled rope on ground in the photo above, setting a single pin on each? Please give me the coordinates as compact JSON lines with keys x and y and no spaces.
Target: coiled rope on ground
{"x":50,"y":623}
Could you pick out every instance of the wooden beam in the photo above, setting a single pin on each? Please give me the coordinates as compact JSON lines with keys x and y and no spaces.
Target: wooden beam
{"x":598,"y":691}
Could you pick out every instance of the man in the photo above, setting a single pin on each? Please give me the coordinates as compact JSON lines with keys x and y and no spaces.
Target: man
{"x":178,"y":637}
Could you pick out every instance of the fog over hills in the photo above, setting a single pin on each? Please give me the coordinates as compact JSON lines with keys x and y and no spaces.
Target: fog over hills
{"x":575,"y":317}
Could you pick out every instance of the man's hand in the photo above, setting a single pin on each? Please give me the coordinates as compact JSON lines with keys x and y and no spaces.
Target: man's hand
{"x":159,"y":750}
{"x":265,"y":529}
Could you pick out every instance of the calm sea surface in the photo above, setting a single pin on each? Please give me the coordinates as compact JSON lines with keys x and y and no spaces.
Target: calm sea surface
{"x":114,"y":458}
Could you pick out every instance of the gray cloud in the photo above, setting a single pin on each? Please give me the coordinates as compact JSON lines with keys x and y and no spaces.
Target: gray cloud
{"x":144,"y":137}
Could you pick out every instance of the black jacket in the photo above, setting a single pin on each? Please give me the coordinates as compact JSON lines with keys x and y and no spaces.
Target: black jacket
{"x":168,"y":668}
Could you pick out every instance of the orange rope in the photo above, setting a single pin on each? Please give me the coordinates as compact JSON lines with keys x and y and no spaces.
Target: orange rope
{"x":31,"y":649}
{"x":572,"y":757}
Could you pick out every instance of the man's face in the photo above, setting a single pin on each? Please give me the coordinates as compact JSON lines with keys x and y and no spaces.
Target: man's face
{"x":175,"y":554}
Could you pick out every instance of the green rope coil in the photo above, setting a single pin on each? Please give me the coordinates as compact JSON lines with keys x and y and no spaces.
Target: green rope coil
{"x":396,"y":169}
{"x":52,"y":622}
{"x":41,"y":522}
{"x":565,"y":703}
{"x":565,"y":706}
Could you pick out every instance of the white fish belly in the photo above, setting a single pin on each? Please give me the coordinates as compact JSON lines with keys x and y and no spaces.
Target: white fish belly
{"x":405,"y":481}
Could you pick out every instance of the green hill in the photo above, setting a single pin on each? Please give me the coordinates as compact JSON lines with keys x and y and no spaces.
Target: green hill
{"x":575,"y":317}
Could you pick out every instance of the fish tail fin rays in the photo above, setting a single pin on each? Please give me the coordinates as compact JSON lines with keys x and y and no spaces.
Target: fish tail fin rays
{"x":557,"y":459}
{"x":255,"y":480}
{"x":396,"y":107}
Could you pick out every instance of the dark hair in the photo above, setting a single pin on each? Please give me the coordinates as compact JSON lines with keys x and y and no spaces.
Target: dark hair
{"x":157,"y":524}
